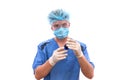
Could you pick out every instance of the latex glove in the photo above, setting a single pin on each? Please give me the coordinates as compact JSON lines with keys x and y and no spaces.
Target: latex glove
{"x":58,"y":54}
{"x":75,"y":46}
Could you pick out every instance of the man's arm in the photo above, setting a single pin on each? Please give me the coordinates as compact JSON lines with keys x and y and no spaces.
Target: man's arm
{"x":42,"y":70}
{"x":86,"y":68}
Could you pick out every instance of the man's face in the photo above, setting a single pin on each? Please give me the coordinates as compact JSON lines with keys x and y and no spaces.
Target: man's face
{"x":63,"y":23}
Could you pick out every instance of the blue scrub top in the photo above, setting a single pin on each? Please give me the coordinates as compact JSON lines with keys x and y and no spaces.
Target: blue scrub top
{"x":67,"y":69}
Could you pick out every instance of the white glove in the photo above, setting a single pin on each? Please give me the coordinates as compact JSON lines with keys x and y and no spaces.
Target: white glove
{"x":75,"y":46}
{"x":58,"y":54}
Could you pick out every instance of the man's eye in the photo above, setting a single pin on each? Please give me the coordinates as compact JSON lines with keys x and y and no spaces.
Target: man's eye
{"x":65,"y":24}
{"x":56,"y":25}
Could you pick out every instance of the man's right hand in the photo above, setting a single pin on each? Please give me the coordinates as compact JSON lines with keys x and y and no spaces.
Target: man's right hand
{"x":58,"y":54}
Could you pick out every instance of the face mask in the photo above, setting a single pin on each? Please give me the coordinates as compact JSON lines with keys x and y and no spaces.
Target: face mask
{"x":61,"y":33}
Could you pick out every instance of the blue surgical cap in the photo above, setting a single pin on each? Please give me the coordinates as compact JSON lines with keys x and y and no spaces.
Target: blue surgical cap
{"x":56,"y":15}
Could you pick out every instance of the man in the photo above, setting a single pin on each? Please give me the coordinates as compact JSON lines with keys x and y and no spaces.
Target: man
{"x":61,"y":57}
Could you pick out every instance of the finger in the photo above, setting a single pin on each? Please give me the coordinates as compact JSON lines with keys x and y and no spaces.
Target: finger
{"x":71,"y":47}
{"x":71,"y":40}
{"x":70,"y":44}
{"x":61,"y":58}
{"x":62,"y":55}
{"x":60,"y":49}
{"x":62,"y":52}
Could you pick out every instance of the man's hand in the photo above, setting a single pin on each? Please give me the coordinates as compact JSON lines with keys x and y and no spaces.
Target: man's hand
{"x":75,"y":46}
{"x":58,"y":54}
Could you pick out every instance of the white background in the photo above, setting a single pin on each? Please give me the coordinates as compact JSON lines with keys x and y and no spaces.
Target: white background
{"x":23,"y":24}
